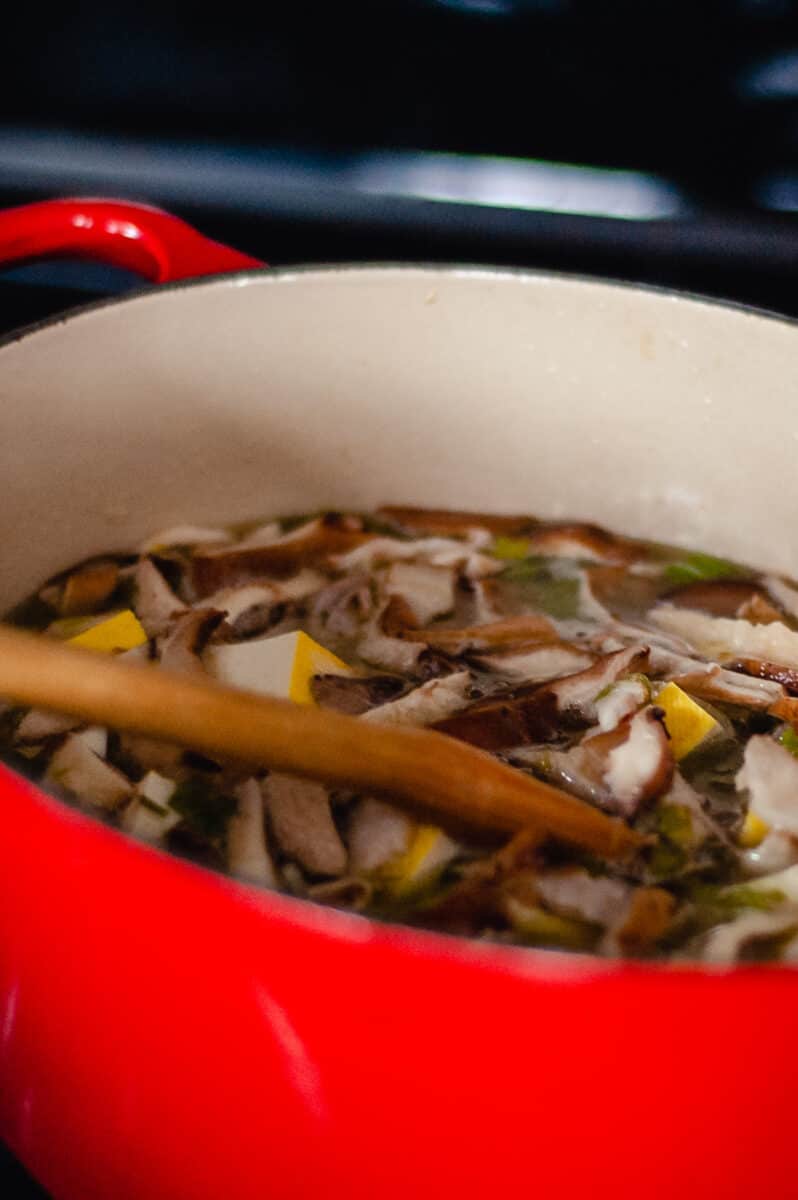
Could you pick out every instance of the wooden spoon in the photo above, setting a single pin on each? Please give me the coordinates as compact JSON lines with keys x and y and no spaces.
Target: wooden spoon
{"x":459,"y":786}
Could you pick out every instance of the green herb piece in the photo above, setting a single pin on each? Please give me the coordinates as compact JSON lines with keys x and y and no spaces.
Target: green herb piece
{"x":555,"y":596}
{"x":543,"y":928}
{"x":727,"y":902}
{"x":675,"y":822}
{"x":789,"y":739}
{"x":667,"y":859}
{"x":205,"y":809}
{"x":522,"y":570}
{"x":507,"y":547}
{"x":697,"y":566}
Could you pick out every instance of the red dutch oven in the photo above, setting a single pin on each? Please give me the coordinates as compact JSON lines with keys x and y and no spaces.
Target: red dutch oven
{"x":167,"y":1032}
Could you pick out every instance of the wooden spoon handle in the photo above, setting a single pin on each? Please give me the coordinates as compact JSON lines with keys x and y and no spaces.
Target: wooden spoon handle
{"x":462,"y":786}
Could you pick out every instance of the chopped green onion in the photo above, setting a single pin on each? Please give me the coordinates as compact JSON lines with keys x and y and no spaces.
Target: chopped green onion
{"x":507,"y":547}
{"x":789,"y":739}
{"x":694,"y":567}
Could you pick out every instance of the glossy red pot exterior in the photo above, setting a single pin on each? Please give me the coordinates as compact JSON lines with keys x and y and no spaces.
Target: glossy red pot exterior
{"x":165,"y":1032}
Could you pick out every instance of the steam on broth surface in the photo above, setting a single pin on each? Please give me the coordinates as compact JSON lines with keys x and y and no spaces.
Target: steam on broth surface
{"x":658,"y":684}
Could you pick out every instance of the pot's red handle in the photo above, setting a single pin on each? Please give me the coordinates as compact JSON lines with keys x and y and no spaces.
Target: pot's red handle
{"x":135,"y":237}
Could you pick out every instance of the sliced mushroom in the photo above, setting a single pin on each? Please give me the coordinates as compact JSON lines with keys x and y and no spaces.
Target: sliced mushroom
{"x":786,"y":676}
{"x":300,"y":816}
{"x":185,"y":535}
{"x":341,"y":607}
{"x":536,"y":663}
{"x":722,"y":638}
{"x":383,"y":650}
{"x":155,"y":603}
{"x":355,"y":694}
{"x":437,"y":552}
{"x":759,"y":611}
{"x":377,"y":833}
{"x":148,"y":815}
{"x":510,"y":631}
{"x":87,"y":589}
{"x":488,"y":607}
{"x":181,"y":649}
{"x":583,"y":541}
{"x":575,"y":893}
{"x":638,"y":768}
{"x":729,"y":943}
{"x":427,"y":591}
{"x":770,"y":775}
{"x":310,"y":544}
{"x":540,"y":713}
{"x":445,"y":522}
{"x":79,"y":770}
{"x":248,"y":855}
{"x":38,"y":724}
{"x":432,"y":701}
{"x":729,"y":687}
{"x":719,"y":597}
{"x":785,"y":594}
{"x":647,"y":917}
{"x":621,"y":700}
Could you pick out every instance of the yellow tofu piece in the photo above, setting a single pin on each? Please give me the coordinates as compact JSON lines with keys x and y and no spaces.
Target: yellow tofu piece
{"x":276,"y":666}
{"x":429,"y":851}
{"x":311,"y":659}
{"x":687,"y":722}
{"x":754,"y":831}
{"x":122,"y":631}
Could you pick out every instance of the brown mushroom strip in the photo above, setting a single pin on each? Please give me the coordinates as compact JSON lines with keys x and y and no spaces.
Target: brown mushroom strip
{"x":619,"y":770}
{"x":584,"y":541}
{"x":445,"y":522}
{"x":510,"y":631}
{"x":432,"y":701}
{"x":341,"y":607}
{"x":38,"y":724}
{"x":309,"y":545}
{"x":88,"y":589}
{"x":730,"y":687}
{"x":786,"y":676}
{"x":387,"y":651}
{"x":645,"y":921}
{"x":299,"y":812}
{"x":427,"y":591}
{"x":537,"y":663}
{"x":618,"y":591}
{"x":720,"y":597}
{"x":155,"y":602}
{"x":640,"y":767}
{"x":181,"y":649}
{"x":722,"y":638}
{"x":759,"y":611}
{"x":76,"y":768}
{"x":354,"y":694}
{"x":248,"y":856}
{"x":253,"y":608}
{"x":540,"y":713}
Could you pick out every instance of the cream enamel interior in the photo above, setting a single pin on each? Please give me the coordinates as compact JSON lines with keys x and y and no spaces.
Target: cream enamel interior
{"x":280,"y":392}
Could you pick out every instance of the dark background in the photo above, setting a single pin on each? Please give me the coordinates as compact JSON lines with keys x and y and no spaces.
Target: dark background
{"x":314,"y":132}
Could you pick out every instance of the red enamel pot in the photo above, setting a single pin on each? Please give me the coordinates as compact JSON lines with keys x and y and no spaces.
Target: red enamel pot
{"x":166,"y":1032}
